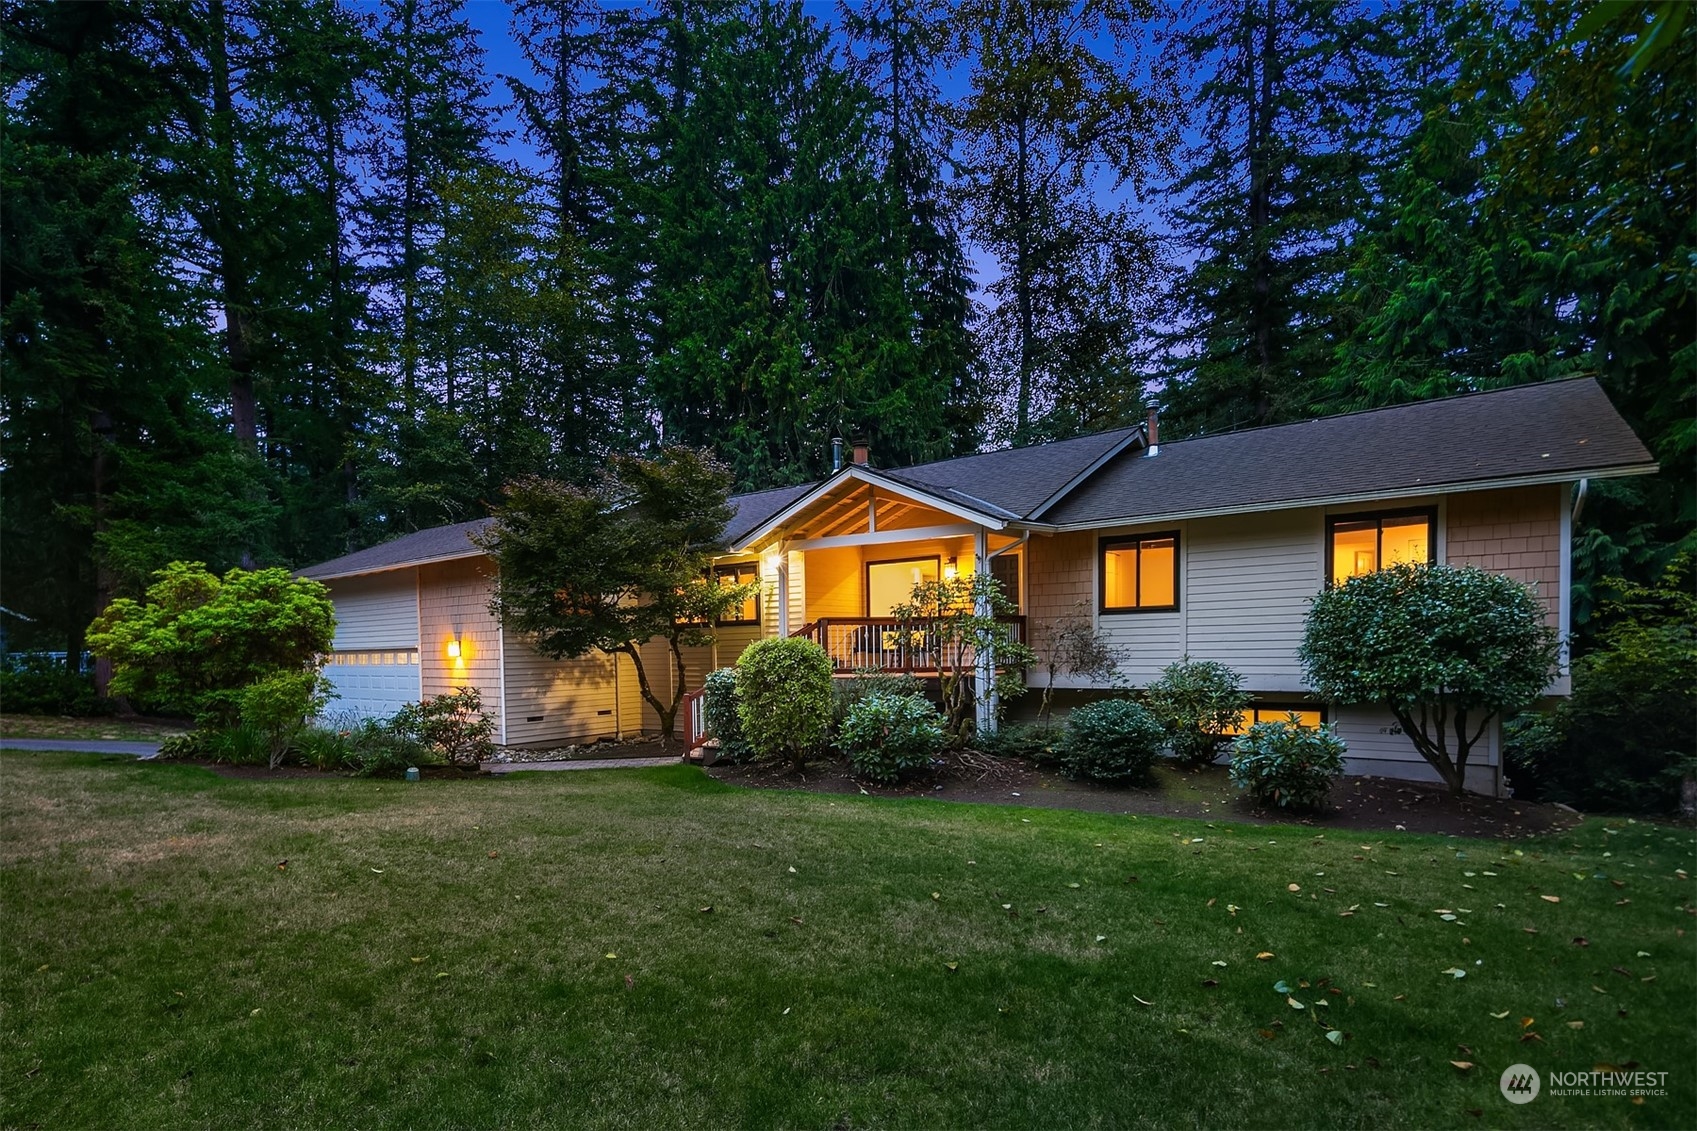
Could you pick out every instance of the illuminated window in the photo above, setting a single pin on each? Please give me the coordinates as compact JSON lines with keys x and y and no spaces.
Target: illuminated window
{"x":743,"y":573}
{"x":1310,"y":717}
{"x":889,"y":584}
{"x":1358,"y":544}
{"x":1140,"y":573}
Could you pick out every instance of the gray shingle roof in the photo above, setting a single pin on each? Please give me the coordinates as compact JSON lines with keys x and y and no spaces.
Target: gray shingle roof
{"x":756,"y":507}
{"x":439,"y":543}
{"x":1015,"y":481}
{"x":1529,"y":431}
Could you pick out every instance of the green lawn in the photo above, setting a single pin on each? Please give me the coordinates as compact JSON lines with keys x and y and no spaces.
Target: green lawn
{"x":537,"y":949}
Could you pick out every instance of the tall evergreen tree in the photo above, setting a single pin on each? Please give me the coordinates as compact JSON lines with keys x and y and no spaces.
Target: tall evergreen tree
{"x":1056,"y":129}
{"x":1539,"y":224}
{"x":778,"y":310}
{"x":113,"y":463}
{"x":1288,"y":114}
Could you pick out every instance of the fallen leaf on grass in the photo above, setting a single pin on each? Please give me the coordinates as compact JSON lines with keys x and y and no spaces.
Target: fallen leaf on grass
{"x":630,"y":982}
{"x":1576,"y":1024}
{"x":1217,"y":962}
{"x":1525,"y":1022}
{"x":1293,"y":887}
{"x":610,"y":954}
{"x":707,"y":910}
{"x":1500,"y":1016}
{"x":1101,"y":938}
{"x":1294,"y":1004}
{"x":379,"y":871}
{"x":1550,"y":898}
{"x":951,"y":967}
{"x":1335,"y":1036}
{"x":421,"y":958}
{"x":937,"y":895}
{"x":493,"y":854}
{"x":792,"y":869}
{"x":796,"y":919}
{"x":1265,"y":1034}
{"x":1464,"y":1065}
{"x":1264,"y":955}
{"x":1140,"y":1001}
{"x":1454,"y":972}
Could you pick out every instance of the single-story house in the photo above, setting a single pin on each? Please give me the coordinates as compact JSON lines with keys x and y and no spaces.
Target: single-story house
{"x":1209,"y":547}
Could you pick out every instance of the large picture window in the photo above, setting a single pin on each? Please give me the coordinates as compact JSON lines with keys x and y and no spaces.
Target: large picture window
{"x":889,"y":584}
{"x":743,"y":573}
{"x":1140,"y":574}
{"x":1362,"y":543}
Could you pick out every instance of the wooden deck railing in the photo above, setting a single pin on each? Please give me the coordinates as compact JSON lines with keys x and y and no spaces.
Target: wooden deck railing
{"x":891,"y":645}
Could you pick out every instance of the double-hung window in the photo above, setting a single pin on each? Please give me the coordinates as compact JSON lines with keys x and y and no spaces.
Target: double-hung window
{"x":743,"y":573}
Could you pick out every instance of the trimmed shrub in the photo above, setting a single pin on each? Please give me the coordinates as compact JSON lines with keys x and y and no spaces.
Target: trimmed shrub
{"x":1110,"y":740}
{"x":889,"y":736}
{"x":452,"y":725}
{"x":845,"y":693}
{"x":279,"y":705}
{"x":1286,"y":764}
{"x":784,"y":697}
{"x":1197,"y":701}
{"x":719,"y":708}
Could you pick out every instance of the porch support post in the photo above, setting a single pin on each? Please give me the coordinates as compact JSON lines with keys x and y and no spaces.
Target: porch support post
{"x":986,"y":661}
{"x":783,"y":593}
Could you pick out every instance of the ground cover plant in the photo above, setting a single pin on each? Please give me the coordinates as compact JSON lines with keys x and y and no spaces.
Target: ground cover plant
{"x":330,"y":952}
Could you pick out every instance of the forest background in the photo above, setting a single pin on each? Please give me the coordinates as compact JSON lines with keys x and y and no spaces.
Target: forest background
{"x":282,"y":280}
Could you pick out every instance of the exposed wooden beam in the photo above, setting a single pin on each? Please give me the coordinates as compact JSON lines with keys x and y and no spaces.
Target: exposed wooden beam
{"x":885,"y":537}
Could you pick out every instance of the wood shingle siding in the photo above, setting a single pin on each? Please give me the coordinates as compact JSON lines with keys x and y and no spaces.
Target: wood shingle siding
{"x":453,"y":604}
{"x":1515,"y":531}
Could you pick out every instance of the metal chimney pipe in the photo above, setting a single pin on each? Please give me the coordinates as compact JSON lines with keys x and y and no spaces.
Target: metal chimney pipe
{"x":836,"y":453}
{"x":1152,"y":435}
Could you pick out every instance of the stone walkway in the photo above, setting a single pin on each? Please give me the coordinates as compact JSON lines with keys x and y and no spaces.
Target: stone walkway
{"x":579,"y":764}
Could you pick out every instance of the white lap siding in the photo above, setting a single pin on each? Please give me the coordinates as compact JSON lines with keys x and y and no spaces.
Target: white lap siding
{"x":558,"y":701}
{"x":373,"y":664}
{"x":1378,"y":746}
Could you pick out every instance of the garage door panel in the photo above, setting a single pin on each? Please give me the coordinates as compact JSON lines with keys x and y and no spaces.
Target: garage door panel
{"x":372,"y":685}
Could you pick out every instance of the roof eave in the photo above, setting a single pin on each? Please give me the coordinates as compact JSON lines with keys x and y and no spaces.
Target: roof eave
{"x":1363,"y":497}
{"x":871,"y":477}
{"x":392,"y":566}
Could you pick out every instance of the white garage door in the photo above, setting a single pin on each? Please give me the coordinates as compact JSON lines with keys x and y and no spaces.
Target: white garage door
{"x":372,"y":684}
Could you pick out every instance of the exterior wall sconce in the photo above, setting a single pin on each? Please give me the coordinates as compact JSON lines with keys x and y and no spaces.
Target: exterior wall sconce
{"x":951,"y":570}
{"x":454,"y":648}
{"x":772,"y":562}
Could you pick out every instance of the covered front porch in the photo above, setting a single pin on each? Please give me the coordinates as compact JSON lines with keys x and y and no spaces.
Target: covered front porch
{"x":845,"y":558}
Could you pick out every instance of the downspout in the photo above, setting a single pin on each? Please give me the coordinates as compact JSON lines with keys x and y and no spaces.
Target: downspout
{"x":986,"y":674}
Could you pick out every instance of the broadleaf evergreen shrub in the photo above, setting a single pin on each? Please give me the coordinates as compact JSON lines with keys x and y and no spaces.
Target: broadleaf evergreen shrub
{"x":719,"y":710}
{"x":452,"y":725}
{"x":784,"y":697}
{"x":845,"y":693}
{"x":1283,"y":763}
{"x":888,"y":737}
{"x":1111,"y":740}
{"x":1197,"y":701}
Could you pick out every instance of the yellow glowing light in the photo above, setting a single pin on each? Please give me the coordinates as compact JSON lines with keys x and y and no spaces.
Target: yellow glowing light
{"x":951,"y":570}
{"x":453,"y":649}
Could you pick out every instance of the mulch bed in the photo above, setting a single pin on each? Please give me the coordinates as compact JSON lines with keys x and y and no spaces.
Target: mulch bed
{"x":594,"y":751}
{"x":1357,"y":802}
